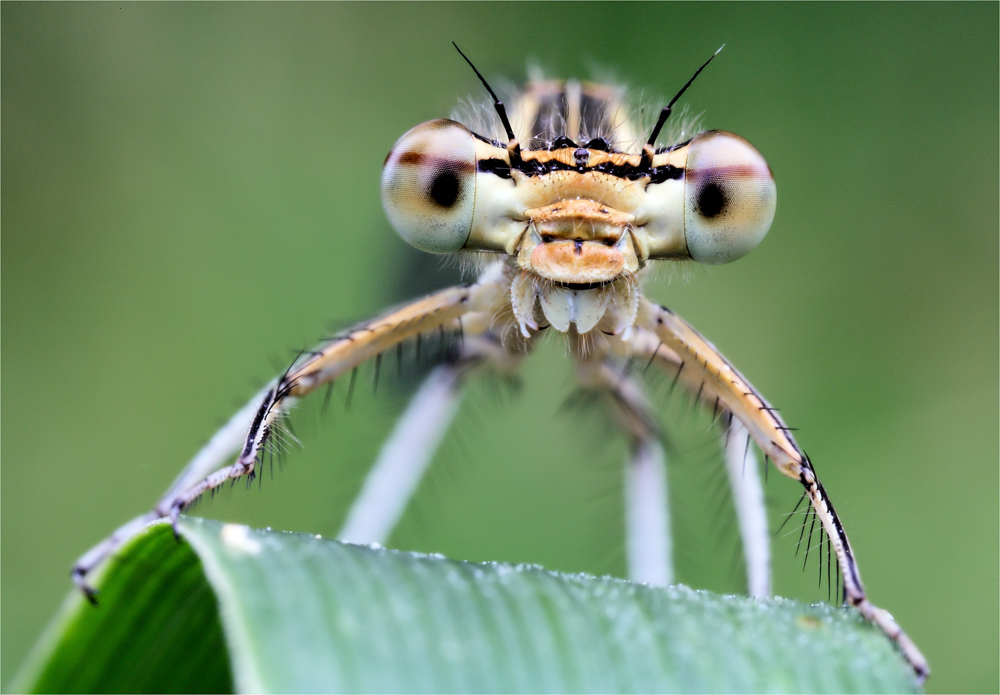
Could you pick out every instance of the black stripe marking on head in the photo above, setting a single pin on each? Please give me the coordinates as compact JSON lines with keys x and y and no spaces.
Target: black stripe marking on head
{"x":534,"y":167}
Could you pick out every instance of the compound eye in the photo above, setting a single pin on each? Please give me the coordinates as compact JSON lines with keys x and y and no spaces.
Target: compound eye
{"x":429,"y":186}
{"x":729,"y":198}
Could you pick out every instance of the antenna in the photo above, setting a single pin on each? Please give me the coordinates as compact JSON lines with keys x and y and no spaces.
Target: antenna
{"x":665,"y":113}
{"x":497,"y":104}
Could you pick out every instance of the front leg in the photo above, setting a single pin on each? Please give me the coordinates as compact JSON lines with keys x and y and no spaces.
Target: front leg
{"x":463,"y":309}
{"x":667,"y":339}
{"x":468,"y":310}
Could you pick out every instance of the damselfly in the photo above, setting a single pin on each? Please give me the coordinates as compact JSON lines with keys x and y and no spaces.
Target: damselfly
{"x":563,"y":205}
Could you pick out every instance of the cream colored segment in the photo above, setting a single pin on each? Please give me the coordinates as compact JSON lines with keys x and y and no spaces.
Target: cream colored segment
{"x":841,"y":548}
{"x":629,"y":252}
{"x":477,"y":323}
{"x":525,"y":246}
{"x":580,"y":218}
{"x":659,"y":217}
{"x":639,"y":244}
{"x":623,"y":135}
{"x":485,"y":150}
{"x":649,"y":541}
{"x":573,"y":110}
{"x":557,"y":305}
{"x":589,"y":307}
{"x":522,"y":301}
{"x":625,"y":307}
{"x":659,"y":221}
{"x":523,"y":114}
{"x":585,"y":308}
{"x":703,"y":364}
{"x":217,"y":450}
{"x":498,"y":214}
{"x":889,"y":626}
{"x":676,"y":157}
{"x":852,"y":578}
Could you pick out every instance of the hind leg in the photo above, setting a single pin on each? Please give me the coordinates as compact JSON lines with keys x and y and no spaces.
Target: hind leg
{"x":418,"y":433}
{"x":666,"y":338}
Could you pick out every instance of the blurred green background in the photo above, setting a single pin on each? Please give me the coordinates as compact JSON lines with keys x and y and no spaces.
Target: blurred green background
{"x":190,"y":191}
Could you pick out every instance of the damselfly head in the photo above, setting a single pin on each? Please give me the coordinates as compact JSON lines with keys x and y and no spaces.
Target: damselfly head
{"x":710,"y":199}
{"x":576,"y":216}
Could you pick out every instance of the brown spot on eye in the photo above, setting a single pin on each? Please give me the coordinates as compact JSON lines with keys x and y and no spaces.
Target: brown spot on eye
{"x":412,"y":158}
{"x":441,"y":123}
{"x":733,"y":171}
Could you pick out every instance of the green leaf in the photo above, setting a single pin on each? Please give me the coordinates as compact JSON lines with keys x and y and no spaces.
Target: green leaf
{"x":156,"y":629}
{"x":285,"y":612}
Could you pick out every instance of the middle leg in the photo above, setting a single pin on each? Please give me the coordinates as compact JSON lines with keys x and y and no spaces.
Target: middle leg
{"x":649,"y":543}
{"x":418,"y":433}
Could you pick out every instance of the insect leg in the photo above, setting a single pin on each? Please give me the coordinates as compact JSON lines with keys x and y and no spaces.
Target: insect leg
{"x":222,"y":445}
{"x":704,"y":365}
{"x":446,"y":308}
{"x":741,"y":464}
{"x":93,"y":557}
{"x":748,"y":498}
{"x":469,"y":307}
{"x":405,"y":456}
{"x":647,"y":511}
{"x":647,"y":523}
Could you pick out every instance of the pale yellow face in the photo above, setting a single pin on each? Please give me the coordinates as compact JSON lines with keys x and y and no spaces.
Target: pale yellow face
{"x":578,"y":214}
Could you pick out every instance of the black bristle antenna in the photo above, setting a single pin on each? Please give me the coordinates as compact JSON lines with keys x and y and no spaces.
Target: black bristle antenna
{"x":376,"y":373}
{"x":812,"y":527}
{"x":498,"y":105}
{"x":791,"y":513}
{"x":326,"y":397}
{"x":665,"y":113}
{"x":802,"y":532}
{"x":350,"y":388}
